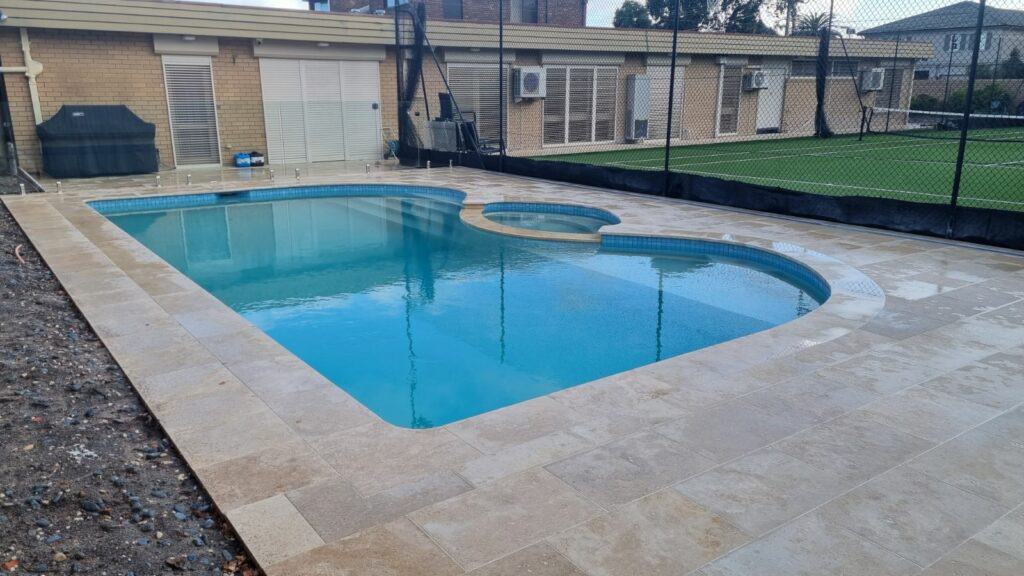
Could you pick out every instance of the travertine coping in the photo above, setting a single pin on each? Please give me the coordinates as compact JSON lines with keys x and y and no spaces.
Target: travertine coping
{"x":315,"y":483}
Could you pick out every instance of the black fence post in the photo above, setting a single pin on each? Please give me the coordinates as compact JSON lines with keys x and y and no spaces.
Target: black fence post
{"x":671,"y":95}
{"x":501,"y":85}
{"x":965,"y":124}
{"x":822,"y":72}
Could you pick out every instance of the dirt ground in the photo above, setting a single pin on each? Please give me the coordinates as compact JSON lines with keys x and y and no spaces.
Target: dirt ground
{"x":89,"y":484}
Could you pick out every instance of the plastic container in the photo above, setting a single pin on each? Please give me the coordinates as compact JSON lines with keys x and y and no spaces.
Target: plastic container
{"x":243,"y":160}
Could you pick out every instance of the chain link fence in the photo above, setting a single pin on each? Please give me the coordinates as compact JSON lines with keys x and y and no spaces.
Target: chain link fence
{"x":901,"y":115}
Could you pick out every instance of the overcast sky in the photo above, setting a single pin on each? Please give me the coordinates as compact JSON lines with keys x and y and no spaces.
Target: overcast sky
{"x":859,"y":14}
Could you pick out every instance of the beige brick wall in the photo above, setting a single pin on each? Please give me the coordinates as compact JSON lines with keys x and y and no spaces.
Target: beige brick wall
{"x":701,"y":103}
{"x":798,"y":109}
{"x":236,"y":78}
{"x":87,"y":68}
{"x":526,"y":118}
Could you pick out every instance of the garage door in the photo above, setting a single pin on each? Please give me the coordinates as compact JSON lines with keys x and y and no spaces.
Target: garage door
{"x":321,"y":110}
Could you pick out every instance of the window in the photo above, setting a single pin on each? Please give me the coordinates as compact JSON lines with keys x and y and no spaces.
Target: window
{"x":524,"y":11}
{"x":965,"y":42}
{"x":729,"y":99}
{"x":192,"y":108}
{"x":451,"y":9}
{"x":323,"y":6}
{"x":922,"y":74}
{"x":475,"y":89}
{"x":805,"y":68}
{"x":838,"y":67}
{"x":580,"y":104}
{"x":844,"y":68}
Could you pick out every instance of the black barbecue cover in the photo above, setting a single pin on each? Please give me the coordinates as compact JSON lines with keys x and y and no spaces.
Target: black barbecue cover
{"x":81,"y":141}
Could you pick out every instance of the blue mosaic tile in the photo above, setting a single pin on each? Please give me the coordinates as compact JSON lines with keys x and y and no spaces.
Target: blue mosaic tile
{"x":123,"y":205}
{"x":784,"y":267}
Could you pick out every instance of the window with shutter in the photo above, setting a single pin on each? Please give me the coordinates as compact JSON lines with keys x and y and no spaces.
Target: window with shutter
{"x":581,"y":105}
{"x":729,"y":99}
{"x":606,"y":84}
{"x":475,"y":88}
{"x":554,"y":106}
{"x":192,"y":108}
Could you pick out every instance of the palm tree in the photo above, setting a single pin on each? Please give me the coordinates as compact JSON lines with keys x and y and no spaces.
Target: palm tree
{"x":789,"y":9}
{"x":812,"y":24}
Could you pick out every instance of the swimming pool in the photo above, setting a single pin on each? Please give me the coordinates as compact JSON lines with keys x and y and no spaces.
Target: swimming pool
{"x":425,"y":320}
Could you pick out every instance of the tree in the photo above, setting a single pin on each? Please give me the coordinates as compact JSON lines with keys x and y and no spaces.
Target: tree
{"x":693,"y":14}
{"x":742,"y":16}
{"x":632,"y":14}
{"x":812,"y":24}
{"x":1013,"y":66}
{"x":790,"y":11}
{"x":726,"y":15}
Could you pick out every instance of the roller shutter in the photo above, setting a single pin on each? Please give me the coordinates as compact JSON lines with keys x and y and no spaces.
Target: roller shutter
{"x":192,"y":108}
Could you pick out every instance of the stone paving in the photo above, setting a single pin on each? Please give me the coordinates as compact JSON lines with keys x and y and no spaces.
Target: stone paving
{"x":881,"y":434}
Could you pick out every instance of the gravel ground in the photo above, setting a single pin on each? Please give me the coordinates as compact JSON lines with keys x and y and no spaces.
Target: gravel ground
{"x":89,"y":484}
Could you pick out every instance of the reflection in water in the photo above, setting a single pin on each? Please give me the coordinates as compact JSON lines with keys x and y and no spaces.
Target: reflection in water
{"x":427,"y":321}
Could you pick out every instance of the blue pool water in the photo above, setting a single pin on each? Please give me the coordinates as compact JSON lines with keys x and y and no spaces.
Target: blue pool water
{"x":549,"y":217}
{"x":426,"y":320}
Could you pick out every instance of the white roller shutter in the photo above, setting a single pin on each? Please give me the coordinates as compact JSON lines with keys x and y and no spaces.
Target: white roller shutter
{"x":321,"y":110}
{"x":283,"y":110}
{"x":475,"y":88}
{"x":361,"y":104}
{"x":554,"y":107}
{"x":606,"y":85}
{"x":581,"y":104}
{"x":321,"y":95}
{"x":192,"y":107}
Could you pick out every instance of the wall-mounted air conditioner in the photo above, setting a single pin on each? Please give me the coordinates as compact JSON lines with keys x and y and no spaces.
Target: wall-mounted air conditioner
{"x":638,"y":106}
{"x":529,"y":82}
{"x":756,"y":80}
{"x":872,"y":80}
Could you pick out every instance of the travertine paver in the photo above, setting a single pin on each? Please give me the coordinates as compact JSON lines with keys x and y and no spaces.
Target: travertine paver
{"x":879,"y":435}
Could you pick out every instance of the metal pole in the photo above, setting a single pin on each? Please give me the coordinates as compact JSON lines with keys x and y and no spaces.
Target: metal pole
{"x":995,"y":67}
{"x":949,"y":71}
{"x":671,"y":94}
{"x":968,"y":103}
{"x":892,"y":84}
{"x":501,"y":85}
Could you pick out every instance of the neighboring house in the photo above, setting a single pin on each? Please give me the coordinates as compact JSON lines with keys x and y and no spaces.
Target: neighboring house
{"x":566,"y":13}
{"x":307,"y":87}
{"x":951,"y":31}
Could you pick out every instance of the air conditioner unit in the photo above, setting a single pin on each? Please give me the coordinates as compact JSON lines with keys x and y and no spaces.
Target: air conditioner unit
{"x":756,"y":80}
{"x":872,"y":80}
{"x":638,"y":106}
{"x":529,"y":82}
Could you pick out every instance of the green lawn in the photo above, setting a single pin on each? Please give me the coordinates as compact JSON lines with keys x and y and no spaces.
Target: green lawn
{"x":882,"y":165}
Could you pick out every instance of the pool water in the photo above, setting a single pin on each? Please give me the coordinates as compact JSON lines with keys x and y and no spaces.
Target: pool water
{"x":426,"y":320}
{"x":549,"y":217}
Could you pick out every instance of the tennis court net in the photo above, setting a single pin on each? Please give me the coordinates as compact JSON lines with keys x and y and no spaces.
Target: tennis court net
{"x":939,"y":125}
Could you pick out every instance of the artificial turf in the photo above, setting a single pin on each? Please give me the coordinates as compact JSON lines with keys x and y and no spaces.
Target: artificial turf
{"x":896,"y":166}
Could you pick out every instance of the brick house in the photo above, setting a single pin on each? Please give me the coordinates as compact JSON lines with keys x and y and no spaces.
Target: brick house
{"x":566,"y":13}
{"x":307,"y":87}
